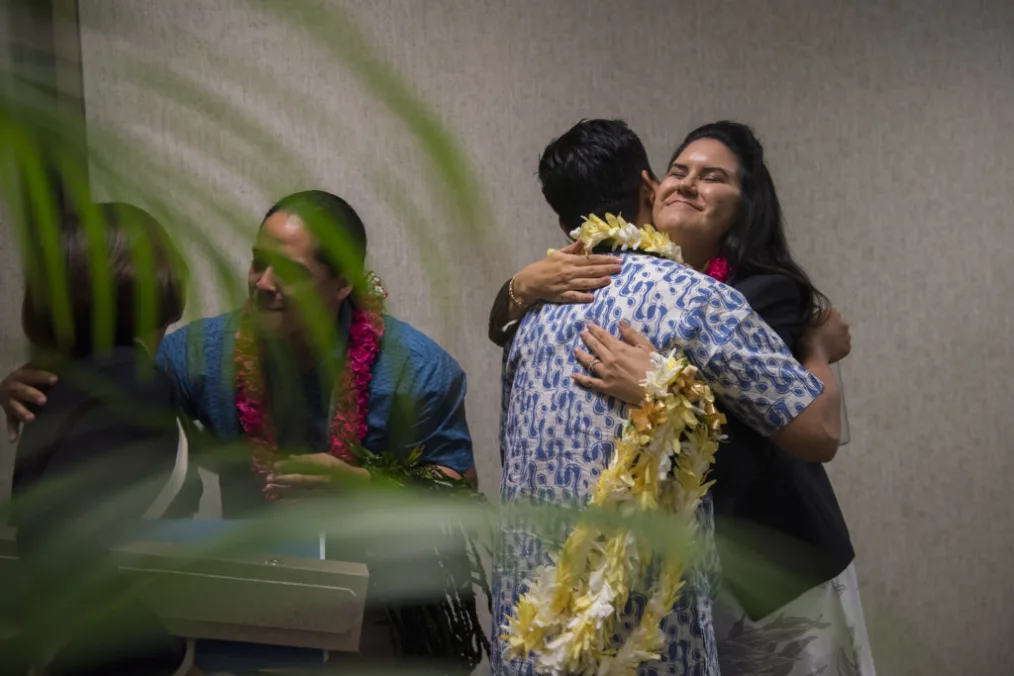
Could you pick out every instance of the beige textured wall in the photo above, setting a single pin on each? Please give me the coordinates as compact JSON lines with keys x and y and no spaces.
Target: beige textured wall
{"x":889,"y":131}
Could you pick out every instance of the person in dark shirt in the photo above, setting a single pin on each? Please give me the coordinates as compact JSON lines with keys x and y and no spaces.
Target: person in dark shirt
{"x":105,"y":450}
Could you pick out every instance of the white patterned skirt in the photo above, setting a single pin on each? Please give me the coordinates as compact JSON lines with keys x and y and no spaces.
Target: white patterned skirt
{"x":823,"y":632}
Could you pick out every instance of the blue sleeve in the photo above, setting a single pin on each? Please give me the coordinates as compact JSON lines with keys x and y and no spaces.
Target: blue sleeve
{"x":172,"y":359}
{"x":430,"y":412}
{"x":746,"y":363}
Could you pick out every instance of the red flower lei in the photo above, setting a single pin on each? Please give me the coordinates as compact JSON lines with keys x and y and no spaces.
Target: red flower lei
{"x":718,"y":268}
{"x":351,"y":391}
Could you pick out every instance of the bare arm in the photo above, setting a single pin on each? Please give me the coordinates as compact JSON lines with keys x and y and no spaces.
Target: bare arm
{"x":806,"y":427}
{"x":815,"y":434}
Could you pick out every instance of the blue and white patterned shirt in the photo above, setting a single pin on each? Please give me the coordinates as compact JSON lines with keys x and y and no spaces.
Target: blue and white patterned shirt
{"x":557,"y":437}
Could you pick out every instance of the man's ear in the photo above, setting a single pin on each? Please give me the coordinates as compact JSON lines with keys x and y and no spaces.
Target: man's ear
{"x":345,"y":290}
{"x":649,"y":183}
{"x":649,"y":186}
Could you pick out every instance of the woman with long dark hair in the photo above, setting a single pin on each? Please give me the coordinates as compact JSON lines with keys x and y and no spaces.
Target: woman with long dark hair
{"x":789,"y":596}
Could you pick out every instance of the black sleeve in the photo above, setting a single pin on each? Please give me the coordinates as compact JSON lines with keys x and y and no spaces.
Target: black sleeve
{"x":777,"y":300}
{"x":785,"y":511}
{"x":499,"y":316}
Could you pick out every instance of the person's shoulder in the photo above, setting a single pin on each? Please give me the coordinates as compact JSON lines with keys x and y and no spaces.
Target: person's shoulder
{"x":659,"y":266}
{"x":123,"y":371}
{"x":646,"y":260}
{"x":650,"y":268}
{"x":132,"y":365}
{"x":405,"y":343}
{"x":687,"y":286}
{"x":207,"y":326}
{"x":768,"y":287}
{"x":125,"y":376}
{"x":205,"y":335}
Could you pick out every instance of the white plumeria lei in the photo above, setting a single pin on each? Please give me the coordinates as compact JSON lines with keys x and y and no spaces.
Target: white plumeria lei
{"x":624,"y":236}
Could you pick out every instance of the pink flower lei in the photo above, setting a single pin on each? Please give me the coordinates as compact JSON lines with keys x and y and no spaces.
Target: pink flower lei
{"x":718,"y":268}
{"x":348,"y":426}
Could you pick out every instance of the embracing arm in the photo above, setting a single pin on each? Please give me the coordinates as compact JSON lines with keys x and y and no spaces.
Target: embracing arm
{"x":564,"y":276}
{"x":504,"y":316}
{"x":23,"y":387}
{"x":745,"y":361}
{"x":751,"y":368}
{"x":19,"y":390}
{"x":815,"y":433}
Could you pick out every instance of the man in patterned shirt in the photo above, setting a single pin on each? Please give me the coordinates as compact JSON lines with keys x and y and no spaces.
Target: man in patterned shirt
{"x":557,"y":437}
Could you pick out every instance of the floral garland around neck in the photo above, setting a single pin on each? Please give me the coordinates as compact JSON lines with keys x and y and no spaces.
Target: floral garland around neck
{"x":628,"y":237}
{"x":625,"y":237}
{"x":351,"y":394}
{"x":566,"y":620}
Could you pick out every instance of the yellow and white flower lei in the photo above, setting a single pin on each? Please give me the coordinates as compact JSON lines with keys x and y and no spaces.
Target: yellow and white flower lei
{"x":660,"y":462}
{"x":625,"y":237}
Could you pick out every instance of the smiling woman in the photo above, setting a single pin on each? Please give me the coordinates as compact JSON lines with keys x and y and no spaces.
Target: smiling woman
{"x":699,"y":198}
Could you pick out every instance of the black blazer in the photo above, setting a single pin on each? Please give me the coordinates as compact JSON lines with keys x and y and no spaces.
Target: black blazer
{"x":779,"y":528}
{"x":94,"y":460}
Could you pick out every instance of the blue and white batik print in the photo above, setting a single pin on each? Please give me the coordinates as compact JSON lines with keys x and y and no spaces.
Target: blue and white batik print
{"x":556,"y":437}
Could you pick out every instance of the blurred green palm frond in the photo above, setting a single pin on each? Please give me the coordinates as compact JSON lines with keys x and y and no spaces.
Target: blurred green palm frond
{"x":48,"y":170}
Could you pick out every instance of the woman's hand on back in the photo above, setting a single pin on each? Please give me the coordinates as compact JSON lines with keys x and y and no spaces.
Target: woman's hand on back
{"x":565,"y":276}
{"x":618,"y":367}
